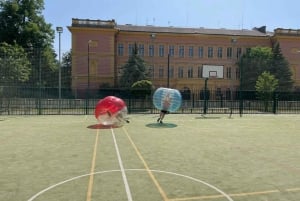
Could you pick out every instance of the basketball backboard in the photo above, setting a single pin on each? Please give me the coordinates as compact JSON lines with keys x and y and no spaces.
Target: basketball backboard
{"x":212,"y":71}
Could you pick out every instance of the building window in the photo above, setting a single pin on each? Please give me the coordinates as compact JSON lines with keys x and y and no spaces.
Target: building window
{"x":237,"y":73}
{"x":238,"y":52}
{"x":200,"y":72}
{"x":161,"y":50}
{"x":120,"y":49}
{"x":151,"y":50}
{"x":228,"y":72}
{"x":130,"y":49}
{"x":229,"y":52}
{"x":228,"y":94}
{"x":171,"y":50}
{"x":200,"y":52}
{"x":181,"y":51}
{"x":161,"y":72}
{"x":220,"y":52}
{"x":191,"y":51}
{"x":180,"y":72}
{"x":141,"y":50}
{"x":190,"y":72}
{"x":210,"y":52}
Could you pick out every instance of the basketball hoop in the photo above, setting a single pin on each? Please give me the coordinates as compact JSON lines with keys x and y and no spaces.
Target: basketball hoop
{"x":213,"y":74}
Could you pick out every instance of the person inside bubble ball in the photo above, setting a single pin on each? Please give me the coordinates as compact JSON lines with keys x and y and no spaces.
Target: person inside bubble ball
{"x":166,"y":102}
{"x":119,"y":116}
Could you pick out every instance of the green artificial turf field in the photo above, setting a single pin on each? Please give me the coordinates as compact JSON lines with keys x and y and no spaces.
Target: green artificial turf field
{"x":189,"y":157}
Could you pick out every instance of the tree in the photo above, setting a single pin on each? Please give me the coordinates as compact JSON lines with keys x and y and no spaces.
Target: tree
{"x":142,"y":88}
{"x":66,"y":69}
{"x":14,"y":64}
{"x":265,"y":86}
{"x":22,"y":23}
{"x":280,"y":69}
{"x":259,"y":59}
{"x":252,"y":64}
{"x":134,"y":70}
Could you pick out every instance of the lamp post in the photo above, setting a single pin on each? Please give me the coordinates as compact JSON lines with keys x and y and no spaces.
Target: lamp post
{"x":152,"y":36}
{"x":59,"y":31}
{"x":168,"y":73}
{"x":88,"y":76}
{"x":234,"y":53}
{"x":241,"y":88}
{"x":89,"y":42}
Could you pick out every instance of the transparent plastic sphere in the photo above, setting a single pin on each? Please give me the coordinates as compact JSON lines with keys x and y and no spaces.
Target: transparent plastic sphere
{"x":167,"y":99}
{"x":111,"y":110}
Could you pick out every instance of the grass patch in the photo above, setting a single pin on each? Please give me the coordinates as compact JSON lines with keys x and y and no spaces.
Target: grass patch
{"x":249,"y":158}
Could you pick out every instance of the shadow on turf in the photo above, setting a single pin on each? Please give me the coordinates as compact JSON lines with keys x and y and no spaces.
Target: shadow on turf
{"x":163,"y":125}
{"x":101,"y":126}
{"x":207,"y":117}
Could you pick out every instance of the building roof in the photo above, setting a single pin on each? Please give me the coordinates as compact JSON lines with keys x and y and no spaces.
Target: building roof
{"x":201,"y":30}
{"x":260,"y":31}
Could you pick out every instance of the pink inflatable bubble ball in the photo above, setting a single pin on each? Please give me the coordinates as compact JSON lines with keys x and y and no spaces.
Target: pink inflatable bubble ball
{"x":111,"y":110}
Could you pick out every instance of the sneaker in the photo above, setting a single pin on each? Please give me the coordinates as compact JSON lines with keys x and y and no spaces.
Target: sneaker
{"x":158,"y":119}
{"x":127,"y":121}
{"x":161,"y":122}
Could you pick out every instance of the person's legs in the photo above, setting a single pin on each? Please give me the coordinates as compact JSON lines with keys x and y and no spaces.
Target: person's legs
{"x":161,"y":116}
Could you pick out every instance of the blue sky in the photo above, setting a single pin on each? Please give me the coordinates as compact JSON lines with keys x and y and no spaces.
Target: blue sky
{"x":229,"y":14}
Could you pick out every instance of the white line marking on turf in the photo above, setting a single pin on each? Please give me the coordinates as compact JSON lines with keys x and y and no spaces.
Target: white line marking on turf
{"x":197,"y":180}
{"x":110,"y":171}
{"x":122,"y":168}
{"x":66,"y":181}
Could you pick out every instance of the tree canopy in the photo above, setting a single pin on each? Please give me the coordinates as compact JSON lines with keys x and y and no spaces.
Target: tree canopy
{"x":14,"y":64}
{"x":265,"y":86}
{"x":252,"y":64}
{"x":134,"y":70}
{"x":280,"y":69}
{"x":22,"y":23}
{"x":259,"y":59}
{"x":142,"y":88}
{"x":266,"y":82}
{"x":66,"y":66}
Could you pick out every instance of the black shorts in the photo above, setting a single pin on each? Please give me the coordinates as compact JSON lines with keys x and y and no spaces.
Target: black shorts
{"x":164,"y":111}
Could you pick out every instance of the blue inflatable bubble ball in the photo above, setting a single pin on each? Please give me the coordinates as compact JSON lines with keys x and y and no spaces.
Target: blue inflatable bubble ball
{"x":167,"y":99}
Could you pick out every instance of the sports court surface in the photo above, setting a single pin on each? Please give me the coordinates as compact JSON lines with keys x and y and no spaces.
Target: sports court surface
{"x":188,"y":158}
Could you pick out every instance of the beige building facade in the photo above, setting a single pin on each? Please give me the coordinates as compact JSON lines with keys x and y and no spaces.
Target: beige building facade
{"x":178,"y":57}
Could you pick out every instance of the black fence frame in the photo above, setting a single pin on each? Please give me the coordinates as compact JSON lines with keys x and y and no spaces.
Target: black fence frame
{"x":45,"y":101}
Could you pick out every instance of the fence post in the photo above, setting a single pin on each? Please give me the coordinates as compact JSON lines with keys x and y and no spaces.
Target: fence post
{"x":275,"y":102}
{"x":241,"y":103}
{"x":205,"y":96}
